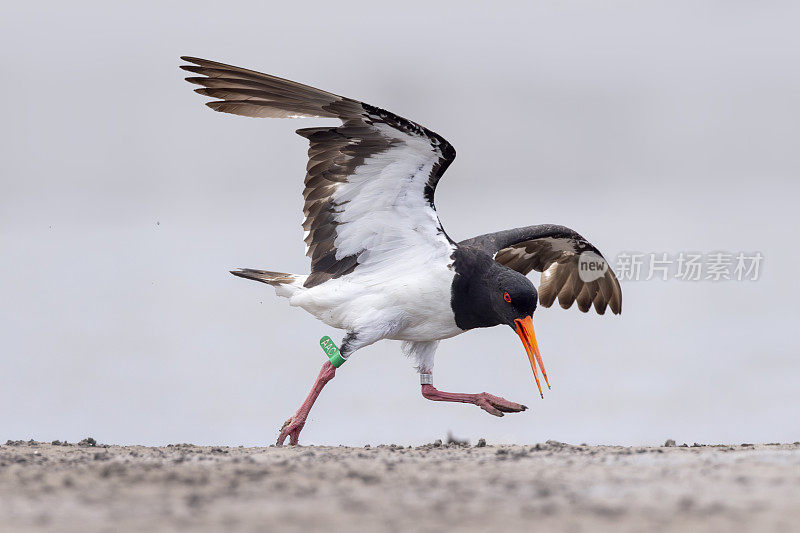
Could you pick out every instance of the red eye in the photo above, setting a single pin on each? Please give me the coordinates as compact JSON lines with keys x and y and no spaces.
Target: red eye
{"x":507,"y":297}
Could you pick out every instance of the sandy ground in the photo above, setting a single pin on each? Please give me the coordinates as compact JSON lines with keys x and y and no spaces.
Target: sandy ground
{"x":550,"y":487}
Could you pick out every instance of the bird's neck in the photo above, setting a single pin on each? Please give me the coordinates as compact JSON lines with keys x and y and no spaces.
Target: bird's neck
{"x":470,"y":296}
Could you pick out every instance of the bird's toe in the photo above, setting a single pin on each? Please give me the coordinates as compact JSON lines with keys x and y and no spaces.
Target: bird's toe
{"x":502,"y":404}
{"x":291,"y":428}
{"x":487,"y":406}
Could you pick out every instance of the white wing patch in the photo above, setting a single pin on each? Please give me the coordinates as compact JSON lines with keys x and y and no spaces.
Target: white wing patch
{"x":383,"y":213}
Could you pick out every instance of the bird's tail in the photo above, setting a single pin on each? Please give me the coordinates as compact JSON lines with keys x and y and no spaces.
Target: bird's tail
{"x":285,"y":285}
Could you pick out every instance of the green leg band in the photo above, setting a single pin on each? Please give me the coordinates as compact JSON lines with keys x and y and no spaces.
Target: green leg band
{"x":332,"y":351}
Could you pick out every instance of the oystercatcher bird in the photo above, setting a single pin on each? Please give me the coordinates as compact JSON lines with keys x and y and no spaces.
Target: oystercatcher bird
{"x":382,"y":266}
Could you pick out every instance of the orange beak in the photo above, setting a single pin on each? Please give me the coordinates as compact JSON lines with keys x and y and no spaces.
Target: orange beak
{"x":524,"y":327}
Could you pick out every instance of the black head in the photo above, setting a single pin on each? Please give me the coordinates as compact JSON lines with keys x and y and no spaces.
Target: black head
{"x":513,"y":295}
{"x":486,"y":294}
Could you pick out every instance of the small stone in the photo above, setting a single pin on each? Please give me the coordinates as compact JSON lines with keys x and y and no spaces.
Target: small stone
{"x":437,"y":443}
{"x":481,"y":443}
{"x":88,"y":441}
{"x":670,"y":443}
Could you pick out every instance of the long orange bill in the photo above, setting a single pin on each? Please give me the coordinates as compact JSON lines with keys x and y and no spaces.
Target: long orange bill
{"x":524,"y":328}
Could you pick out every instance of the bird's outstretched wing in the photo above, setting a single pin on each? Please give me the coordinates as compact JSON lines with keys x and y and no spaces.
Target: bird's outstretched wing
{"x":370,"y":182}
{"x":572,"y":268}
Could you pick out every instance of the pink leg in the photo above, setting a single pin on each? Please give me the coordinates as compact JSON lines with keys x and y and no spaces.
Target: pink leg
{"x":292,"y":427}
{"x":494,"y":405}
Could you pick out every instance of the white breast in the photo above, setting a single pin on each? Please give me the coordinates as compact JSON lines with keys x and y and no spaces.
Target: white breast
{"x":408,"y":300}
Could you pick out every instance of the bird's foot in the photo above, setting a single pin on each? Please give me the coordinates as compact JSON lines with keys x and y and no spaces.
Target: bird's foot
{"x":291,"y":428}
{"x":495,"y":405}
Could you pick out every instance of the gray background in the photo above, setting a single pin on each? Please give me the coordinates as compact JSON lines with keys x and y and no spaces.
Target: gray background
{"x":646,"y":126}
